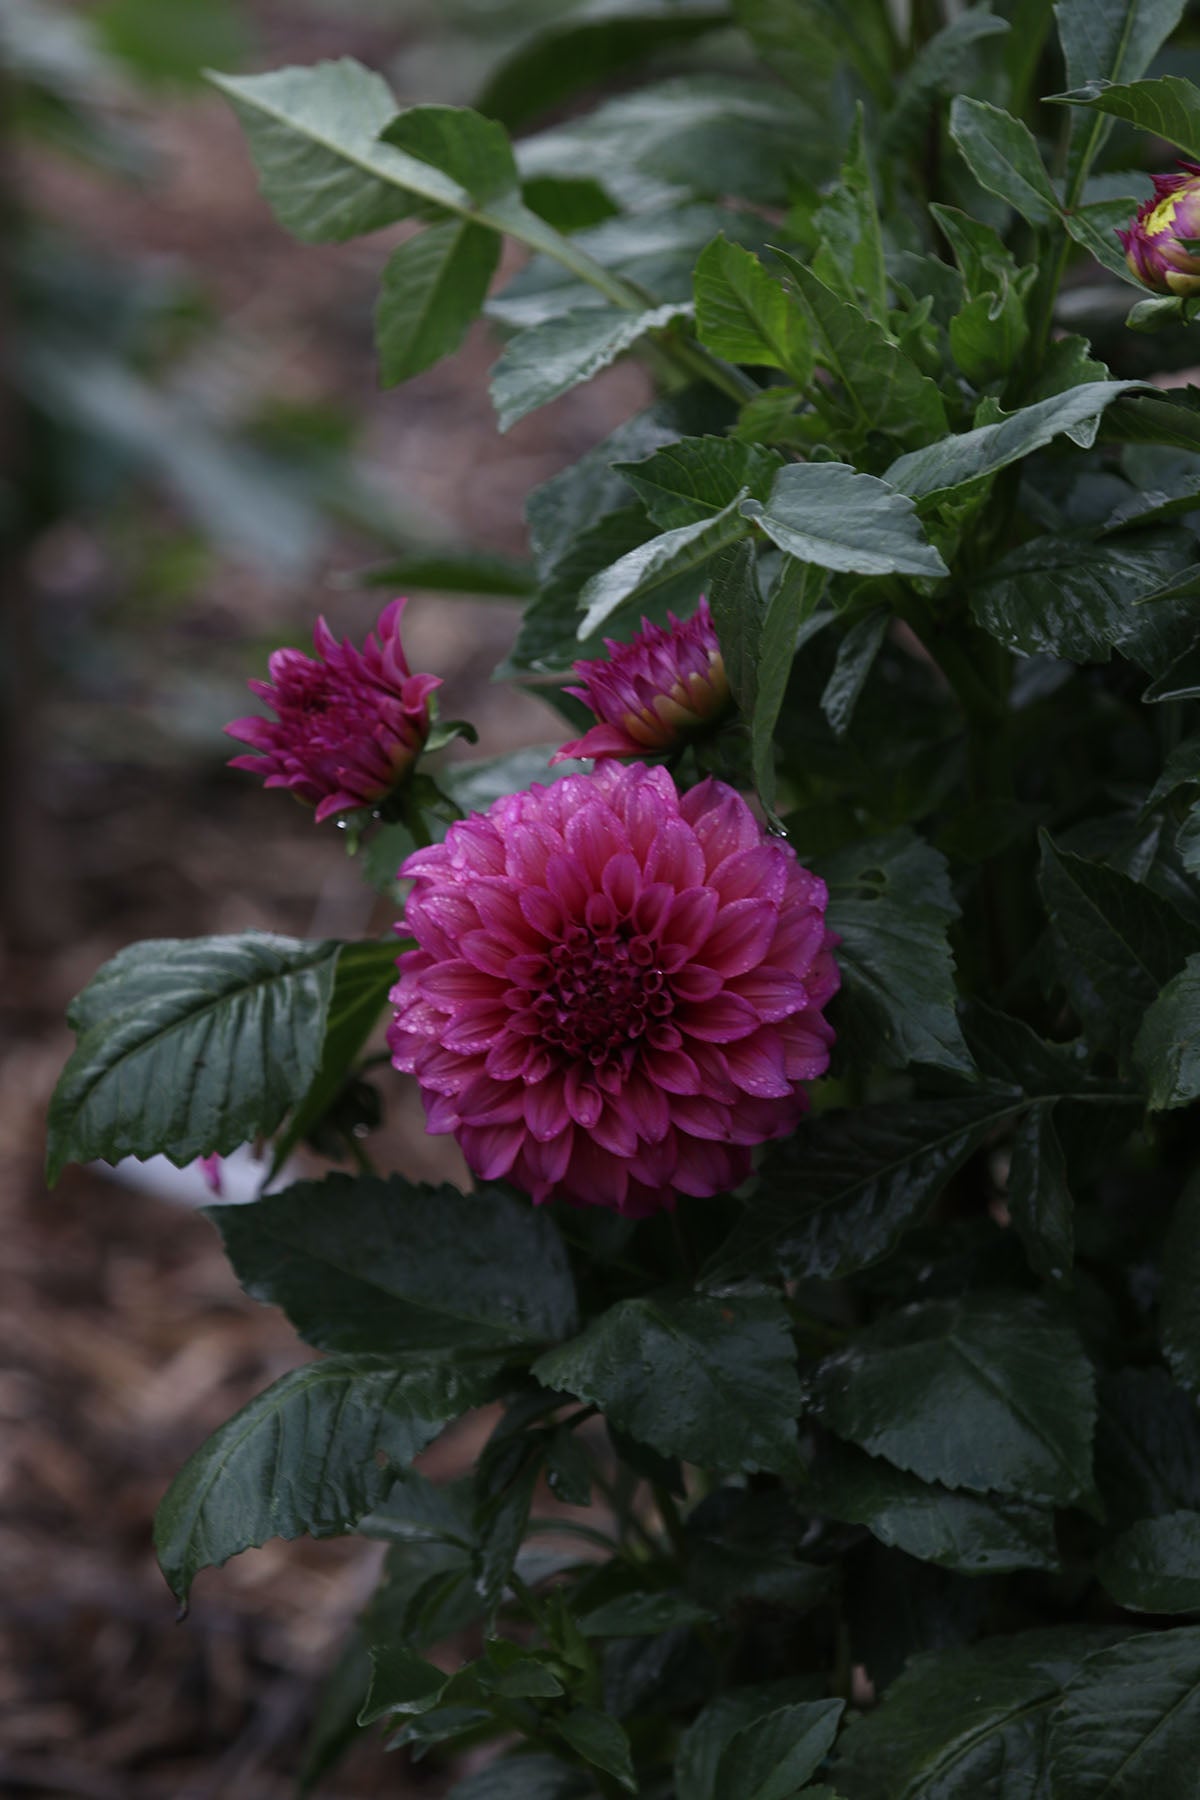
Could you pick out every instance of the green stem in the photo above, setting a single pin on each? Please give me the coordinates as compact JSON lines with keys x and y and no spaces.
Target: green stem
{"x":669,"y":1514}
{"x":361,"y":1159}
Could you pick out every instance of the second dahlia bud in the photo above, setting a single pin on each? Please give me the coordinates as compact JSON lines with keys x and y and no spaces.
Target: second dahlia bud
{"x":667,"y":682}
{"x":350,"y":722}
{"x":1156,"y":243}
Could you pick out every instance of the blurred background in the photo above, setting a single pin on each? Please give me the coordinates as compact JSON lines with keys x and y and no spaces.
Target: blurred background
{"x":195,"y":459}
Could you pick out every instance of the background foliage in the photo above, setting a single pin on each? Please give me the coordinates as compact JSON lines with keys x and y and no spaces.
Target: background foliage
{"x":898,"y":1483}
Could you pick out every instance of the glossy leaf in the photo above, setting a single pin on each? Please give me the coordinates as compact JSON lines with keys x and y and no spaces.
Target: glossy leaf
{"x":1129,"y":1722}
{"x":855,"y":660}
{"x":786,"y":622}
{"x":1116,"y":942}
{"x":315,"y":1453}
{"x":976,"y":1535}
{"x":1155,"y":1565}
{"x":711,"y":1381}
{"x":703,"y":1744}
{"x":830,"y":515}
{"x":980,"y":1393}
{"x":1077,"y":597}
{"x":472,"y":150}
{"x":962,"y":1723}
{"x":1147,"y":1446}
{"x":190,"y":1046}
{"x":890,"y":902}
{"x":1167,"y":1047}
{"x":380,"y":1267}
{"x":841,"y":1194}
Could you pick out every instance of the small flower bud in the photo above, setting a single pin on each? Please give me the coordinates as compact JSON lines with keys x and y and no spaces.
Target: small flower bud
{"x":651,"y":693}
{"x":350,"y":722}
{"x":1155,"y":242}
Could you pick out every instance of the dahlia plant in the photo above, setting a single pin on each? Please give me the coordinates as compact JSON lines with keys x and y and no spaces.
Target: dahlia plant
{"x":817,"y":1011}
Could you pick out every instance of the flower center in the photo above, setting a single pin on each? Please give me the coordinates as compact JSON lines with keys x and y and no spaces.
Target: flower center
{"x":604,"y":993}
{"x":1162,"y":218}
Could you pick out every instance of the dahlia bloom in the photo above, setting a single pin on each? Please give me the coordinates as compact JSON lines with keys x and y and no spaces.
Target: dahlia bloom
{"x":616,"y":989}
{"x":350,"y":722}
{"x":650,"y":693}
{"x":1154,"y":242}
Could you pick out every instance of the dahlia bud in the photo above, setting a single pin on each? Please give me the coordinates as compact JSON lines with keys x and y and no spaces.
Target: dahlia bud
{"x":1155,"y":242}
{"x":649,"y":694}
{"x":350,"y":722}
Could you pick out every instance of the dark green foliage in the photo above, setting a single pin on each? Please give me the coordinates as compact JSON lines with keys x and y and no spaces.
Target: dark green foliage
{"x":921,"y":1396}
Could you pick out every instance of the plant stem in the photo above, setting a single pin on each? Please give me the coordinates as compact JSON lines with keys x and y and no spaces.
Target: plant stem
{"x":669,"y":1514}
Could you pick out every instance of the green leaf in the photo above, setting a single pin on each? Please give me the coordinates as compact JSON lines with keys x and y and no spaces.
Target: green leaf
{"x":891,"y":903}
{"x":963,"y":1723}
{"x":1147,"y":1445}
{"x":770,"y":1758}
{"x":1003,"y":156}
{"x":830,"y":515}
{"x":744,"y":314}
{"x":599,"y":1740}
{"x":315,"y":1453}
{"x":548,"y":360}
{"x":736,"y":602}
{"x":190,"y":1046}
{"x":642,"y":1615}
{"x":1039,"y":1195}
{"x":401,"y":1682}
{"x":841,"y":1194}
{"x":644,"y":572}
{"x":1155,"y":1565}
{"x":539,"y":1776}
{"x":1095,"y":228}
{"x":1179,"y":1320}
{"x":366,"y":1265}
{"x":591,"y":43}
{"x":711,"y":1381}
{"x":693,"y":479}
{"x":314,"y":136}
{"x":988,"y":335}
{"x":482,"y":573}
{"x":847,"y":225}
{"x":941,"y":468}
{"x":1129,"y":1722}
{"x":1167,"y":1048}
{"x":1107,"y":40}
{"x":1116,"y":943}
{"x":791,"y":604}
{"x":884,"y":389}
{"x":974,"y":1535}
{"x":433,"y":288}
{"x":703,"y":1744}
{"x":1076,"y":597}
{"x":943,"y":66}
{"x":1179,"y":681}
{"x":1168,"y":108}
{"x":855,"y":660}
{"x":365,"y":974}
{"x":977,"y":1393}
{"x":471,"y":150}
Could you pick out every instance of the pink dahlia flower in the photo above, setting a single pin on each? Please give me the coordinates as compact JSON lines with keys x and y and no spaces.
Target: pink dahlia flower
{"x":648,"y":694}
{"x":350,"y":722}
{"x":1154,"y":242}
{"x":616,"y":989}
